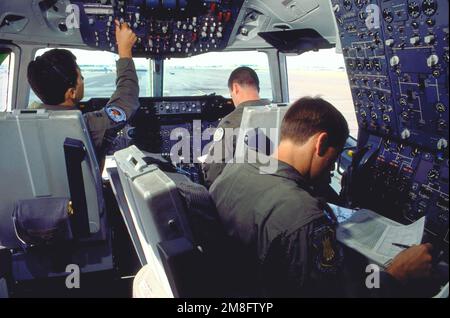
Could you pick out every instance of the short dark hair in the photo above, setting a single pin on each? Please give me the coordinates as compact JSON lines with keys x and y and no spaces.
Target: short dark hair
{"x":244,"y":76}
{"x":52,"y":74}
{"x":309,"y":116}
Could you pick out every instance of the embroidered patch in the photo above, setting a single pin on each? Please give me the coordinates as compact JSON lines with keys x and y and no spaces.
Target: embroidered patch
{"x":218,"y":135}
{"x":328,"y":254}
{"x":115,"y":113}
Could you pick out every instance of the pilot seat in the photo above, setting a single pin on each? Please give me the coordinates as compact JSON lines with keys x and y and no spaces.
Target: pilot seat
{"x":176,"y":231}
{"x":52,"y":210}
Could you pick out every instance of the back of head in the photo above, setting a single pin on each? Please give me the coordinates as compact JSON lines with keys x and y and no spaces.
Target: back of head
{"x":52,"y":74}
{"x":244,"y":76}
{"x":309,"y":116}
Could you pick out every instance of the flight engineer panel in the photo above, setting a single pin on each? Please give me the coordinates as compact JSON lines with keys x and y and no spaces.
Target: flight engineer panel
{"x":397,"y":54}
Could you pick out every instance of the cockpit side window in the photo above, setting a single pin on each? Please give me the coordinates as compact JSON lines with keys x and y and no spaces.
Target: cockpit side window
{"x":322,"y":74}
{"x":99,"y":72}
{"x":208,"y":73}
{"x":6,"y":78}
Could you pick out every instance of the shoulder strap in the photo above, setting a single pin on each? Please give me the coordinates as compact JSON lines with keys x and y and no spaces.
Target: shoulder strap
{"x":75,"y":153}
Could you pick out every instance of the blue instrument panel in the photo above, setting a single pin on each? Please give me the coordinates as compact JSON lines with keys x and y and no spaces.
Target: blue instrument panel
{"x":397,"y":55}
{"x":406,"y":182}
{"x":165,"y":28}
{"x":416,"y":37}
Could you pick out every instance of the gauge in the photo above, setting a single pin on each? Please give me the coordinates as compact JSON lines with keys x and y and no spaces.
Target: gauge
{"x":413,"y":9}
{"x":429,"y":7}
{"x":433,"y":174}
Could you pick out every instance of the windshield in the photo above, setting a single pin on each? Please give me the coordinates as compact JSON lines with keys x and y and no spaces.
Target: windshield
{"x":6,"y":73}
{"x":99,"y":72}
{"x":322,"y":74}
{"x":208,"y":73}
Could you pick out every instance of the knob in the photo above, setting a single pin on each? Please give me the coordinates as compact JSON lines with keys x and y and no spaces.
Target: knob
{"x":405,"y":134}
{"x":429,"y":39}
{"x":432,"y":60}
{"x":395,"y":60}
{"x":389,"y":42}
{"x":414,"y":40}
{"x":440,"y":107}
{"x":442,"y":124}
{"x":442,"y":144}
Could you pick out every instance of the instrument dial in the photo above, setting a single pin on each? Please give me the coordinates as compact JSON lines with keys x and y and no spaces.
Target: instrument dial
{"x":429,"y":7}
{"x":413,"y":9}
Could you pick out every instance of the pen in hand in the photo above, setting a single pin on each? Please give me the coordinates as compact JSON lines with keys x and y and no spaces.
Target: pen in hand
{"x":401,"y":245}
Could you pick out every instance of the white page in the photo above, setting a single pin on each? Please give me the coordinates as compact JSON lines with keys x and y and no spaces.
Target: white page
{"x":372,"y":234}
{"x":443,"y":293}
{"x":408,"y":235}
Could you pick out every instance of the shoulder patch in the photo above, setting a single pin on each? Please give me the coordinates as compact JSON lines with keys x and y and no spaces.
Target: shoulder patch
{"x":115,"y":113}
{"x":218,"y":134}
{"x":328,"y":255}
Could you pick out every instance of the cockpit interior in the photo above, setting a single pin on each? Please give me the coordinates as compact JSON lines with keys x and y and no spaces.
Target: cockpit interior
{"x":383,"y":63}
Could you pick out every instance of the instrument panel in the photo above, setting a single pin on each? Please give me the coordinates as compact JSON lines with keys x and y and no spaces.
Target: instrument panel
{"x":178,"y":128}
{"x":396,"y":55}
{"x":165,"y":28}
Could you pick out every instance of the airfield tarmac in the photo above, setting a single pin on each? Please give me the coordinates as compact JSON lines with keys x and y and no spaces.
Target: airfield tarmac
{"x":330,"y":85}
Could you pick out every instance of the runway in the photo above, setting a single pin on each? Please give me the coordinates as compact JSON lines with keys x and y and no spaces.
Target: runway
{"x":330,"y":85}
